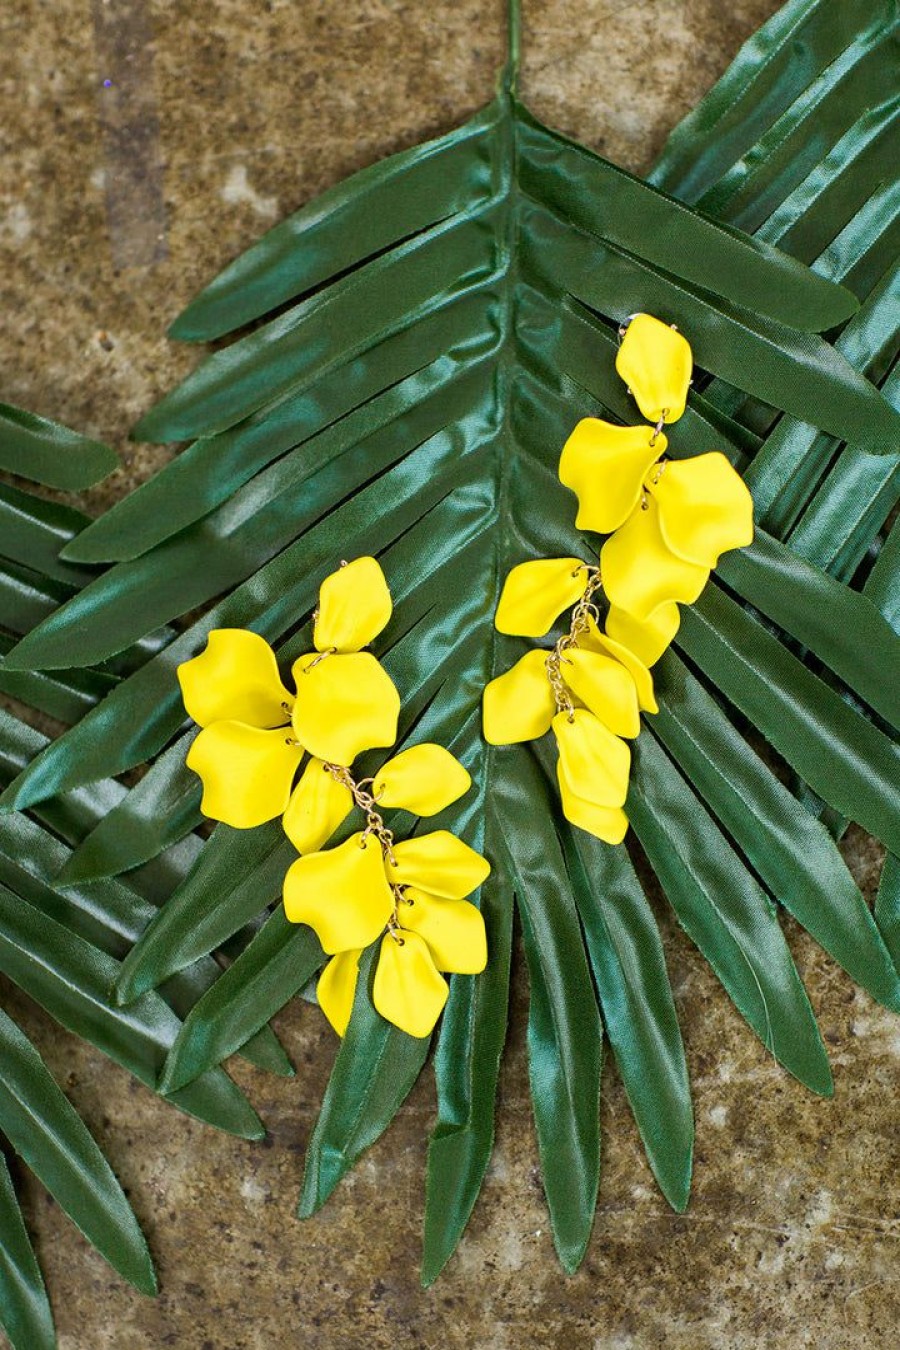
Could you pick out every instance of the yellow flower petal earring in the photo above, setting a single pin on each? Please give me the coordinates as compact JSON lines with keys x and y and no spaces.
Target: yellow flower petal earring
{"x":667,"y":523}
{"x":411,"y":894}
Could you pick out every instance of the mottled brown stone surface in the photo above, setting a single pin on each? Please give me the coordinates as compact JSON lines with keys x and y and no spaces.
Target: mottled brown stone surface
{"x":792,"y":1234}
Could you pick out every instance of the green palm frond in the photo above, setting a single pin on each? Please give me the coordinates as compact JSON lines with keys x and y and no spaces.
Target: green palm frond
{"x":426,"y":336}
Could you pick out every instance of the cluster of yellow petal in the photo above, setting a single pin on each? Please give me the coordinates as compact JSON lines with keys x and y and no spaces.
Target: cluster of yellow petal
{"x":255,"y":731}
{"x":411,"y":896}
{"x":668,"y":522}
{"x":255,"y":734}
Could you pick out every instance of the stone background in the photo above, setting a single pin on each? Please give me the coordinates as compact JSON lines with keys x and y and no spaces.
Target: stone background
{"x":144,"y":145}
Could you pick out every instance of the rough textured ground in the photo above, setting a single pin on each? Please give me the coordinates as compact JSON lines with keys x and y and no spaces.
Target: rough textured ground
{"x":116,"y":202}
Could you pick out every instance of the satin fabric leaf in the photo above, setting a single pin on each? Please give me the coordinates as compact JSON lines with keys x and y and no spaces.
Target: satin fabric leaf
{"x":605,"y":465}
{"x":646,"y":638}
{"x":655,"y":361}
{"x":24,"y":1307}
{"x":336,"y":988}
{"x":424,"y":780}
{"x":536,"y":593}
{"x":438,"y":863}
{"x":318,"y":805}
{"x":596,"y":641}
{"x":345,"y":704}
{"x":408,"y":990}
{"x":235,"y":679}
{"x":704,"y":508}
{"x":596,"y":763}
{"x":519,"y":705}
{"x":640,"y":572}
{"x":453,"y":929}
{"x":605,"y":687}
{"x":246,"y":773}
{"x":342,"y":893}
{"x":608,"y":823}
{"x":354,"y":606}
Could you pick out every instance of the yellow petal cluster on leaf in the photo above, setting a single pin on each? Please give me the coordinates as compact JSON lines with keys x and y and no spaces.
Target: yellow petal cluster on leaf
{"x":655,"y":361}
{"x":640,"y":572}
{"x":605,"y":466}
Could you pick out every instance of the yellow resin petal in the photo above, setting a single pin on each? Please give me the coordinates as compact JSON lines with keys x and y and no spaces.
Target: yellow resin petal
{"x":423,"y":779}
{"x":440,"y":864}
{"x":608,"y":823}
{"x":640,"y":572}
{"x":354,"y":606}
{"x":235,"y":679}
{"x":596,"y":641}
{"x":536,"y":593}
{"x":336,"y":989}
{"x":704,"y":507}
{"x":655,"y":361}
{"x":453,"y":929}
{"x":345,"y":704}
{"x":318,"y":805}
{"x":407,"y":989}
{"x":342,"y":893}
{"x":605,"y":466}
{"x":595,"y":762}
{"x":647,"y":638}
{"x":519,"y":705}
{"x":605,"y":687}
{"x":246,"y":772}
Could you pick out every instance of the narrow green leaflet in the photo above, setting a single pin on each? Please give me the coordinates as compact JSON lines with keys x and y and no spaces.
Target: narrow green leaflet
{"x":48,"y":453}
{"x":24,"y":1308}
{"x":50,"y":1136}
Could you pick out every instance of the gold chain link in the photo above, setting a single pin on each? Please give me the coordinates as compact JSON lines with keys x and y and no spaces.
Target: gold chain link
{"x":375,"y":826}
{"x":585,"y":610}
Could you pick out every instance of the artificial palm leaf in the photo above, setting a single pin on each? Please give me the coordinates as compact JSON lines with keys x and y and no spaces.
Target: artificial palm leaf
{"x":428,"y":333}
{"x":48,"y":453}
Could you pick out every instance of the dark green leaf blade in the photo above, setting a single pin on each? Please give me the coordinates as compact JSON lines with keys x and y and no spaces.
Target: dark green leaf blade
{"x":24,"y":1307}
{"x":48,"y":453}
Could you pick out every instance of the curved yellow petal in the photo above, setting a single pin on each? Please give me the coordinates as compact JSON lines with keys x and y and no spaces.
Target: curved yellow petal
{"x":595,"y":762}
{"x":605,"y":687}
{"x":407,"y":989}
{"x":345,"y":704}
{"x":519,"y":705}
{"x":646,"y":638}
{"x":453,"y":929}
{"x":608,"y":823}
{"x":341,"y":892}
{"x":318,"y":805}
{"x":655,"y":361}
{"x":423,"y":779}
{"x":596,"y":641}
{"x":235,"y":679}
{"x":440,"y":864}
{"x":246,"y":772}
{"x":336,"y":989}
{"x":354,"y":606}
{"x":605,"y":466}
{"x":536,"y":593}
{"x":704,"y":507}
{"x":640,"y":572}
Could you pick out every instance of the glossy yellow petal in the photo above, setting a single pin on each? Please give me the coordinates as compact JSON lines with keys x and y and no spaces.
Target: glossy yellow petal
{"x":655,"y":361}
{"x":235,"y":679}
{"x":354,"y":606}
{"x":646,"y":638}
{"x":536,"y":593}
{"x":246,"y":772}
{"x":704,"y":507}
{"x":640,"y":572}
{"x":423,"y":779}
{"x":341,"y":892}
{"x":453,"y":929}
{"x":595,"y":762}
{"x":605,"y":466}
{"x":608,"y":823}
{"x":605,"y":687}
{"x":407,"y":989}
{"x":440,"y":864}
{"x":519,"y":705}
{"x":318,"y":805}
{"x":336,"y":989}
{"x":596,"y":641}
{"x":345,"y":704}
